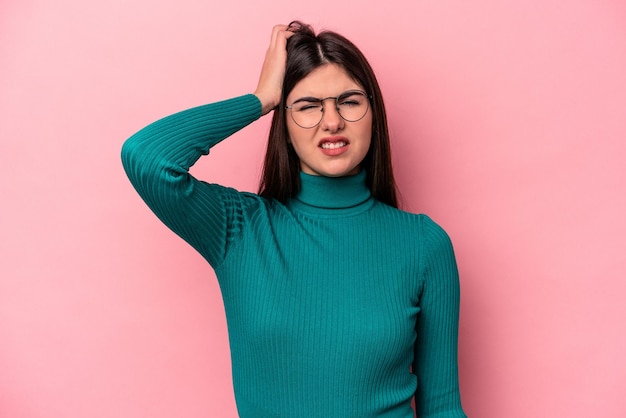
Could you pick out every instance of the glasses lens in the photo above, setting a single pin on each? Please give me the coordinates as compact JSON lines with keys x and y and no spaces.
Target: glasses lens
{"x":351,"y":105}
{"x":307,"y":114}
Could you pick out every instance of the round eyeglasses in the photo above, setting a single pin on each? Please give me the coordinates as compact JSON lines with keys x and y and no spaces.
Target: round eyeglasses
{"x":307,"y":112}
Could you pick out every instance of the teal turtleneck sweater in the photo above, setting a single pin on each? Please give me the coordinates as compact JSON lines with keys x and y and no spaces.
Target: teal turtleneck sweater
{"x":337,"y":304}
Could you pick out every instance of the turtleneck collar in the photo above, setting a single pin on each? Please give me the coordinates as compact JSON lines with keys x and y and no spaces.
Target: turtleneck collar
{"x":332,"y":193}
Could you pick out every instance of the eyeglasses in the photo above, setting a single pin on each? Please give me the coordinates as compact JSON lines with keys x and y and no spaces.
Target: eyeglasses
{"x":307,"y":112}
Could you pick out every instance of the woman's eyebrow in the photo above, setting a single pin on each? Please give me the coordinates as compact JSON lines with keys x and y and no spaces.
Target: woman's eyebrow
{"x":307,"y":99}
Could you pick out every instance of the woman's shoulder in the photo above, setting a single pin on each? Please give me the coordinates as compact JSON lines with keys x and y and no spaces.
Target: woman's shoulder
{"x":421,"y":224}
{"x":405,"y":215}
{"x":249,"y":203}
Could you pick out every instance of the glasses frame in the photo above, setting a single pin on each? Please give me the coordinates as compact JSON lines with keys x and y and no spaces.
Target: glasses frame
{"x":336,"y":98}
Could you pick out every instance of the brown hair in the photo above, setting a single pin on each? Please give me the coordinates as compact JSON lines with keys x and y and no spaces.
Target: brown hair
{"x":305,"y":52}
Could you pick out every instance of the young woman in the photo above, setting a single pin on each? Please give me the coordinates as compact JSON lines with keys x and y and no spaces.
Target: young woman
{"x":338,"y":303}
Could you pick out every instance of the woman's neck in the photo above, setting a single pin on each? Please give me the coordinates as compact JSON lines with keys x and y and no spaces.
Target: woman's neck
{"x":333,"y":192}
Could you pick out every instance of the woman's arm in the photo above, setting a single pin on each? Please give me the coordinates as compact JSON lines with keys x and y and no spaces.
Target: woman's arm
{"x":157,"y":161}
{"x":435,"y":362}
{"x":158,"y":157}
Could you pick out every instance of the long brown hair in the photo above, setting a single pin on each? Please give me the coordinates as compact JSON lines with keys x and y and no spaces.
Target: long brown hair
{"x":306,"y":52}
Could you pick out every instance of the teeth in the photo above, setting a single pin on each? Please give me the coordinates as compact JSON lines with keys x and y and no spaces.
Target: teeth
{"x":333,"y":145}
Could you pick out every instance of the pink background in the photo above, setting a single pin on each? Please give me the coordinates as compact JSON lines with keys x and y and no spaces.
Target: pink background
{"x":509,"y":129}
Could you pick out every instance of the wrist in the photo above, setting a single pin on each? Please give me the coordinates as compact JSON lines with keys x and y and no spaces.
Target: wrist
{"x":267,"y":103}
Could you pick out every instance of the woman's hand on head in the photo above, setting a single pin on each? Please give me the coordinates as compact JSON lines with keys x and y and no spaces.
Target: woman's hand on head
{"x":269,"y":89}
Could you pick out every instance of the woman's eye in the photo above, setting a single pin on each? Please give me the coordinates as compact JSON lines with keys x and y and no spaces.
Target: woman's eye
{"x":308,"y":108}
{"x":350,"y":103}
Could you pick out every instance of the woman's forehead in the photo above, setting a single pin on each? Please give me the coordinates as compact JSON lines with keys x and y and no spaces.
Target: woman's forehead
{"x":329,"y":80}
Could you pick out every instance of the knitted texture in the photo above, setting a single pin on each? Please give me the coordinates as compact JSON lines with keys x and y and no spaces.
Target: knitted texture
{"x":337,"y":304}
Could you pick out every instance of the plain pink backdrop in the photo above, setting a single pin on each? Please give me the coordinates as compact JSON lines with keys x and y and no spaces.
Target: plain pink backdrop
{"x":509,"y":129}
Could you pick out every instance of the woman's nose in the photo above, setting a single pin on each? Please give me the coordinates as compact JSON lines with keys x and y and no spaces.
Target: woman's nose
{"x":331,"y":119}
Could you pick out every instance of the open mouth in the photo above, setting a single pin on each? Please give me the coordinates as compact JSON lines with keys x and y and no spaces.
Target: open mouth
{"x":333,"y":145}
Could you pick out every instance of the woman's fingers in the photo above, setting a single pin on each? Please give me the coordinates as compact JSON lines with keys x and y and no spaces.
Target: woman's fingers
{"x":270,"y":85}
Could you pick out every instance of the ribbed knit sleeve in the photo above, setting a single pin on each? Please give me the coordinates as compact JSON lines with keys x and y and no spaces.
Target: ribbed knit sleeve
{"x":435,"y":363}
{"x":157,"y":161}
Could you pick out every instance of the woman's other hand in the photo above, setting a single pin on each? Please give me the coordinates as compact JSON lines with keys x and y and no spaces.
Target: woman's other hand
{"x":269,"y":89}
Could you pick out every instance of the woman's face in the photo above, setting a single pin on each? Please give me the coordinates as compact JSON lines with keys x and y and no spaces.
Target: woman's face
{"x":335,"y":147}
